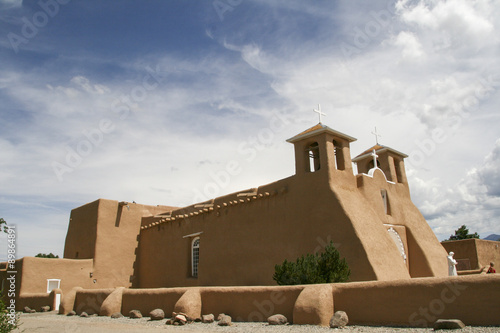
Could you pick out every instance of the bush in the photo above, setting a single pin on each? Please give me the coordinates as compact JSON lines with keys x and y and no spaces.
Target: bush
{"x":326,"y":267}
{"x":8,"y":321}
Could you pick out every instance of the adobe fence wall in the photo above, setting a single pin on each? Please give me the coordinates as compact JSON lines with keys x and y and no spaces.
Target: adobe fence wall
{"x":474,"y":299}
{"x":410,"y":302}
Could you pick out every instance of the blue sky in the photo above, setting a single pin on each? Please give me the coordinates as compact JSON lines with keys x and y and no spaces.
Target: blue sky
{"x":149,"y":101}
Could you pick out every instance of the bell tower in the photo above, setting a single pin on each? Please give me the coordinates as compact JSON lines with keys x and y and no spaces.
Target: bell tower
{"x":390,"y":161}
{"x":321,"y":149}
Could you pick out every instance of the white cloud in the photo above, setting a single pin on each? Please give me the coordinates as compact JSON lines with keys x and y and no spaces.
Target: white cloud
{"x":411,"y":47}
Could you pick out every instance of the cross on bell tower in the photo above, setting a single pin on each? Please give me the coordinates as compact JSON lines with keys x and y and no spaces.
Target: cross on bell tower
{"x":318,"y":111}
{"x":377,"y":136}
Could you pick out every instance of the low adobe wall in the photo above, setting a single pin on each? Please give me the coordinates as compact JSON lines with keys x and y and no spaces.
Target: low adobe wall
{"x":90,"y":300}
{"x":410,"y":302}
{"x":419,"y":302}
{"x":37,"y":300}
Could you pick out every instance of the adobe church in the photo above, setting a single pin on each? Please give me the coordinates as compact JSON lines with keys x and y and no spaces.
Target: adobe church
{"x":237,"y":239}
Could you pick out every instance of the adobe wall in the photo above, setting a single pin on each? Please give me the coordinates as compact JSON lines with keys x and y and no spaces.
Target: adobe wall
{"x":33,"y":273}
{"x":425,"y":256}
{"x":117,"y":240}
{"x":244,"y":237}
{"x":419,"y":302}
{"x":36,"y":271}
{"x":82,"y":232}
{"x":409,"y":302}
{"x":107,"y":231}
{"x":488,"y":251}
{"x":479,"y":252}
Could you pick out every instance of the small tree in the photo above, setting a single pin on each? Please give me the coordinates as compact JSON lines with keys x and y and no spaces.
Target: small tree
{"x":3,"y":225}
{"x":463,"y":233}
{"x":326,"y":267}
{"x":43,"y":255}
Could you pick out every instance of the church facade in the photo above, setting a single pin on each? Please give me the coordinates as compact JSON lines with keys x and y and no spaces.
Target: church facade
{"x":237,"y":239}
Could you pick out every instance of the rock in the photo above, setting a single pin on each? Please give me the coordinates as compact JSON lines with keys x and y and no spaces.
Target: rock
{"x":219,"y":317}
{"x":32,"y":311}
{"x":84,"y":314}
{"x":71,"y":313}
{"x":181,"y":319}
{"x":169,"y":322}
{"x":448,"y":324}
{"x":157,"y":314}
{"x":339,"y":320}
{"x":207,"y":319}
{"x":225,"y":321}
{"x":116,"y":315}
{"x":135,"y":314}
{"x":45,"y":308}
{"x":27,"y":309}
{"x":198,"y":320}
{"x":277,"y":319}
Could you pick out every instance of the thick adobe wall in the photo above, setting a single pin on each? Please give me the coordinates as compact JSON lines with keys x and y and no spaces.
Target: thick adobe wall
{"x":366,"y":217}
{"x":420,"y":302}
{"x":408,"y":302}
{"x":116,"y":242}
{"x":82,"y":232}
{"x":478,"y":252}
{"x":425,"y":256}
{"x":33,"y":273}
{"x":246,"y":234}
{"x":36,"y":272}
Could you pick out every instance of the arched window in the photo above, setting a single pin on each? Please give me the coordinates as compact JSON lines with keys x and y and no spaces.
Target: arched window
{"x":195,"y":256}
{"x":397,"y":165}
{"x":313,"y":154}
{"x":339,"y":156}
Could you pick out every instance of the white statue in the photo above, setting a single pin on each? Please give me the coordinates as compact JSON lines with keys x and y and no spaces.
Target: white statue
{"x":452,"y":263}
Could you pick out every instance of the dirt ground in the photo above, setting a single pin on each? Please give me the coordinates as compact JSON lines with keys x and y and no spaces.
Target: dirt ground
{"x":50,"y":322}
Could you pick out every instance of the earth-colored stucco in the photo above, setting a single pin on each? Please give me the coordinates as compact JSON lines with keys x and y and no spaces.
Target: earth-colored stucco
{"x":478,"y":252}
{"x":245,"y":234}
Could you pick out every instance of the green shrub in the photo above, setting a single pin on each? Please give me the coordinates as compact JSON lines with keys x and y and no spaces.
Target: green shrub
{"x":8,"y":321}
{"x":326,"y":267}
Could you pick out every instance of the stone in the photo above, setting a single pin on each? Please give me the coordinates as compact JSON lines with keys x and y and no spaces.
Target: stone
{"x":448,"y":324}
{"x":135,"y":314}
{"x":207,"y":319}
{"x":169,"y":322}
{"x":277,"y":319}
{"x":27,"y":309}
{"x":71,"y":313}
{"x":219,"y":317}
{"x":181,"y":319}
{"x":45,"y":308}
{"x":339,"y":320}
{"x":32,"y":311}
{"x":157,"y":314}
{"x":116,"y":315}
{"x":84,"y":314}
{"x":225,"y":321}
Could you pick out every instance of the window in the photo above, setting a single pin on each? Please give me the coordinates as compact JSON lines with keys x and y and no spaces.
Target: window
{"x":398,"y":165}
{"x":313,"y":154}
{"x":339,"y":156}
{"x":385,"y":199}
{"x":53,"y":284}
{"x":195,"y":256}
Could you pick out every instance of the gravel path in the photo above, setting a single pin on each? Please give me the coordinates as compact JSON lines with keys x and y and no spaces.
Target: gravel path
{"x":52,"y":322}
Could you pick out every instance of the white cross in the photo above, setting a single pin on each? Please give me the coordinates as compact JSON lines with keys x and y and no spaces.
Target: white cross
{"x":318,"y":111}
{"x":376,"y":135}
